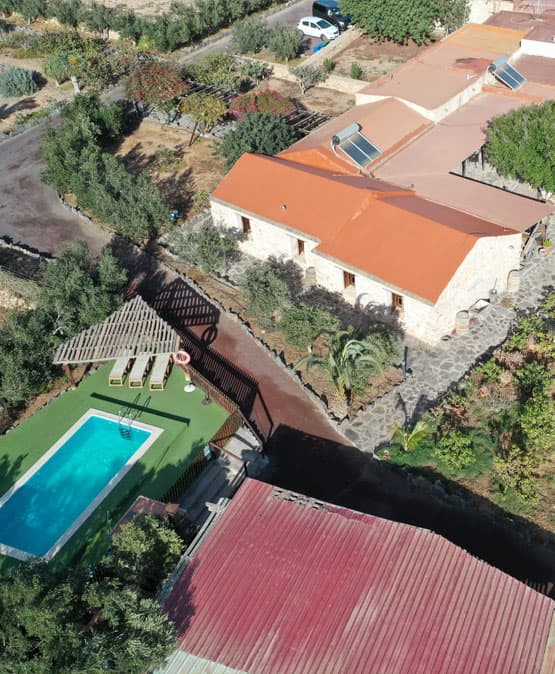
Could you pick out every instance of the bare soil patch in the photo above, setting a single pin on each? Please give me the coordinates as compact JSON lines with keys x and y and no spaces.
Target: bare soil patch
{"x":318,"y":99}
{"x":12,"y":109}
{"x":195,"y":168}
{"x":375,"y":58}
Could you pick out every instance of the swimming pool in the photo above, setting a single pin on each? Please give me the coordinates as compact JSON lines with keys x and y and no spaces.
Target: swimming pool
{"x":47,"y":505}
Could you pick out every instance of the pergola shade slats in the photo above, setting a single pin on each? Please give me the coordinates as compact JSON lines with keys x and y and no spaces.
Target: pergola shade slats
{"x":134,"y":330}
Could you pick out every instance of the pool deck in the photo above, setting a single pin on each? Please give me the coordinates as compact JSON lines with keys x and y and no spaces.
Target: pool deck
{"x":187,"y":424}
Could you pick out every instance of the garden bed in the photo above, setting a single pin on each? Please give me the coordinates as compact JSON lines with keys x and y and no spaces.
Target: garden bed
{"x":375,"y":58}
{"x":494,"y":432}
{"x":317,"y":99}
{"x":228,"y":296}
{"x":17,"y":111}
{"x":179,"y":172}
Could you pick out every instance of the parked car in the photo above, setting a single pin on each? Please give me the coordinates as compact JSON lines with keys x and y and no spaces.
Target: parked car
{"x":329,"y":10}
{"x":315,"y":27}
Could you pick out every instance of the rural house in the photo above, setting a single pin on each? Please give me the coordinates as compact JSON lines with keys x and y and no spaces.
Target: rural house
{"x":377,"y":204}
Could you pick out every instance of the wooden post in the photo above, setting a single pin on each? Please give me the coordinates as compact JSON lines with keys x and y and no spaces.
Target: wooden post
{"x":69,"y":374}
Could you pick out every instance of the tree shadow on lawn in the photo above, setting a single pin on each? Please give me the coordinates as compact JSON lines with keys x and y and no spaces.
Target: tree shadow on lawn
{"x":348,"y":477}
{"x":10,"y":471}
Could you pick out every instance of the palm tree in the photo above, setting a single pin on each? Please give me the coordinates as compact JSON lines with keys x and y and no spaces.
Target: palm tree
{"x":347,"y":354}
{"x":409,"y":438}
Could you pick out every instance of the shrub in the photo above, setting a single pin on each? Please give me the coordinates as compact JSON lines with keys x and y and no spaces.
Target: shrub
{"x":259,"y":132}
{"x":284,"y":42}
{"x":308,"y":76}
{"x":536,"y":421}
{"x":454,"y":450}
{"x":356,"y":71}
{"x":255,"y":70}
{"x":261,"y":101}
{"x":533,"y":378}
{"x":528,"y":329}
{"x":250,"y":35}
{"x":516,"y":471}
{"x":328,"y":65}
{"x":302,"y":324}
{"x":219,"y":70}
{"x":15,"y":82}
{"x":57,"y":67}
{"x":490,"y":370}
{"x":265,"y":292}
{"x":145,"y":551}
{"x":206,"y":247}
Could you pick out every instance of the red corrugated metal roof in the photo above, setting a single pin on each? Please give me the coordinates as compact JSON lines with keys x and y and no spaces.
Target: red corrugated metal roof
{"x":300,"y":587}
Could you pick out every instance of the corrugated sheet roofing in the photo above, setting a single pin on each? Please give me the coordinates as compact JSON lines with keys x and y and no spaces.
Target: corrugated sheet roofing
{"x":286,"y":585}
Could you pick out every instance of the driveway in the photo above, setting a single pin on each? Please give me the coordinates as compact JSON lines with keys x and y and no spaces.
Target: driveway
{"x":30,"y":211}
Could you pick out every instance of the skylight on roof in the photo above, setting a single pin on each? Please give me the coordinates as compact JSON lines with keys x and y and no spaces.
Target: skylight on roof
{"x":356,"y":146}
{"x":505,"y":73}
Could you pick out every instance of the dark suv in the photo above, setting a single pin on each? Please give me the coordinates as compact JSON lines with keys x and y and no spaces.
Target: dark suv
{"x":329,"y":9}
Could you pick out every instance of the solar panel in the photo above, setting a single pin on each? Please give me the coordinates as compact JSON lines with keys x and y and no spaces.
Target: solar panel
{"x":509,"y":76}
{"x":505,"y":73}
{"x":360,"y":149}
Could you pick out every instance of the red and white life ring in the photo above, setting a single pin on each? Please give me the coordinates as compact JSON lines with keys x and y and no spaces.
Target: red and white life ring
{"x":181,"y":357}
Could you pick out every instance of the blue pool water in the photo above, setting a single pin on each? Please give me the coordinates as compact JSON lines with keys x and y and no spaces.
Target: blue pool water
{"x":38,"y":513}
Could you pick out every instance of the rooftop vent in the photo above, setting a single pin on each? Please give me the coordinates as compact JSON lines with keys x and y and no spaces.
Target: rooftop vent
{"x":504,"y":72}
{"x":356,"y":146}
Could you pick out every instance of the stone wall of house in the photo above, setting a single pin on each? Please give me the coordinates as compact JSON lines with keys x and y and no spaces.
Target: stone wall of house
{"x":486,"y":267}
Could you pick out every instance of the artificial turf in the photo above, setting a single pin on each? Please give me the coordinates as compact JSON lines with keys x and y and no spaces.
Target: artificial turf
{"x":188,"y":426}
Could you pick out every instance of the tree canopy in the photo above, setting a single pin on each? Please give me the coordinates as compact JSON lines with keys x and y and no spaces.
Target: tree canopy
{"x":144,"y":552}
{"x":155,"y":84}
{"x":402,"y":20}
{"x":79,"y":291}
{"x":260,"y":132}
{"x":521,"y":144}
{"x":59,"y":623}
{"x":76,"y":291}
{"x":76,"y":163}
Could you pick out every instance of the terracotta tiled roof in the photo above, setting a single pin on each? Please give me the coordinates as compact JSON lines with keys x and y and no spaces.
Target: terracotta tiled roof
{"x":388,"y":123}
{"x":316,"y":193}
{"x":383,"y":231}
{"x":441,"y":72}
{"x":287,"y":585}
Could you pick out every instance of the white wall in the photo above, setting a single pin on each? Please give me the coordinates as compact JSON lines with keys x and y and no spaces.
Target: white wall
{"x":535,"y":48}
{"x":487,"y":266}
{"x":436,"y":114}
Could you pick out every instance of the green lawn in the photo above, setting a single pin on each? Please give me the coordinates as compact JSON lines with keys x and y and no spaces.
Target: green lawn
{"x":188,"y":425}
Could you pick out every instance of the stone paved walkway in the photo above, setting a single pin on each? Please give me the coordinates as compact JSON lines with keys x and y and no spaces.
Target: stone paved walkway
{"x":434,"y":371}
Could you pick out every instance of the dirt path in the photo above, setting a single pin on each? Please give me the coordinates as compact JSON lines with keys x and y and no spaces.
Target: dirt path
{"x":30,"y":211}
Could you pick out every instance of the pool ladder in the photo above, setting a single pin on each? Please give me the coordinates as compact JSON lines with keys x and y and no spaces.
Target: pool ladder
{"x":125,"y":430}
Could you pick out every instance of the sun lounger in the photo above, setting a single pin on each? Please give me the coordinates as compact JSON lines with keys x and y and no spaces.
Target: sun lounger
{"x":160,"y":371}
{"x":139,"y":371}
{"x":115,"y":378}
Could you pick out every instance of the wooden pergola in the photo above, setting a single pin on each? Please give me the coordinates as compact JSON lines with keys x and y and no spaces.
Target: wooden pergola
{"x":134,"y":330}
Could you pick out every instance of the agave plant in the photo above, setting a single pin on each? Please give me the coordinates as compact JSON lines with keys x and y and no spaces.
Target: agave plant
{"x":347,"y":355}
